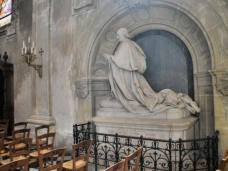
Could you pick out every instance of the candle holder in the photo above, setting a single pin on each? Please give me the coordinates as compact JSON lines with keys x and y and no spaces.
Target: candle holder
{"x":29,"y":54}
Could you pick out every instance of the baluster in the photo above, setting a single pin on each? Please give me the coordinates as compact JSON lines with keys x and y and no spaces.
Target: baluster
{"x":170,"y":155}
{"x":95,"y":149}
{"x":180,"y":154}
{"x":141,"y":158}
{"x":208,"y":154}
{"x":116,"y":150}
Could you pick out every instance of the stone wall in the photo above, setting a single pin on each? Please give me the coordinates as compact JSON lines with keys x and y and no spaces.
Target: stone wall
{"x":74,"y":34}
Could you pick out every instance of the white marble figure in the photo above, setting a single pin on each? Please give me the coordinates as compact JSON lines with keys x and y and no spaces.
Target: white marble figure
{"x":130,"y":87}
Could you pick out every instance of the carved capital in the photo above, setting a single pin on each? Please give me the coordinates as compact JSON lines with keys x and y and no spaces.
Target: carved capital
{"x":221,"y":81}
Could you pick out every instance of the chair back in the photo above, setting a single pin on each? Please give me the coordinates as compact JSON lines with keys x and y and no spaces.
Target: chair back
{"x":20,"y":147}
{"x":81,"y":151}
{"x":20,"y":125}
{"x":49,"y":138}
{"x":43,"y":129}
{"x":2,"y":137}
{"x":4,"y":127}
{"x":134,"y":156}
{"x":117,"y":167}
{"x":48,"y":161}
{"x":4,"y":124}
{"x":21,"y":133}
{"x":23,"y":163}
{"x":223,"y":163}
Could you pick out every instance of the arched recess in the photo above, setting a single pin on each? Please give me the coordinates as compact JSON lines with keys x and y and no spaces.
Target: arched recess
{"x":156,"y":17}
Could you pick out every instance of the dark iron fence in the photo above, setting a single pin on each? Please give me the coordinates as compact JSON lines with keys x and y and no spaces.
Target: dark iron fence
{"x":157,"y":154}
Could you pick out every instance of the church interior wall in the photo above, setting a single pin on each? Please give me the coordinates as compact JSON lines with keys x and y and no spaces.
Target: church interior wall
{"x":67,"y":31}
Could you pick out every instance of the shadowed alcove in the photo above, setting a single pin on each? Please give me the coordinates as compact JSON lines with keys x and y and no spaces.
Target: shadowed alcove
{"x":169,"y":63}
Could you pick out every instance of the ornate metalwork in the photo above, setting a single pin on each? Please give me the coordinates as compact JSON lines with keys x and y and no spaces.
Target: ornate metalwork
{"x":157,"y":154}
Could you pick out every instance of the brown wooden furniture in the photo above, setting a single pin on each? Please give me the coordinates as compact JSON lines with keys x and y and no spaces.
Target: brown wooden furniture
{"x":18,"y":149}
{"x":79,"y":162}
{"x":41,"y":148}
{"x":47,"y":163}
{"x":21,"y":133}
{"x":4,"y":128}
{"x":4,"y":123}
{"x":3,"y":151}
{"x":116,"y":167}
{"x":134,"y":156}
{"x":11,"y":166}
{"x":18,"y":126}
{"x":43,"y":129}
{"x":223,"y":163}
{"x":17,"y":134}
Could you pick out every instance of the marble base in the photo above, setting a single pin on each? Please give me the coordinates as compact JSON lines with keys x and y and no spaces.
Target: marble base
{"x":150,"y":128}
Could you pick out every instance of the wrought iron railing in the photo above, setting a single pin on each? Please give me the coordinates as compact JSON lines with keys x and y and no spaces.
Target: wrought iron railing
{"x":157,"y":154}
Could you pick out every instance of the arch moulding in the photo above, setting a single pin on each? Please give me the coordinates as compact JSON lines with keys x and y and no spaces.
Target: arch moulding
{"x":138,"y":19}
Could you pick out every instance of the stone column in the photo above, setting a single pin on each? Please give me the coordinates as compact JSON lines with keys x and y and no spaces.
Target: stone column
{"x":42,"y":97}
{"x":221,"y":85}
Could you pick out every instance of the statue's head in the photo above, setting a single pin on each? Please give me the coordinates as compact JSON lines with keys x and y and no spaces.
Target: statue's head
{"x":122,"y":34}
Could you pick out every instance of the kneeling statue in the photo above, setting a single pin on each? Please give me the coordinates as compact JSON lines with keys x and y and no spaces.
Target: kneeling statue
{"x":130,"y":87}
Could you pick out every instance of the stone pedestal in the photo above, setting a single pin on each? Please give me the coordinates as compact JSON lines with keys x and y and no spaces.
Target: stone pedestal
{"x":112,"y":118}
{"x":159,"y":129}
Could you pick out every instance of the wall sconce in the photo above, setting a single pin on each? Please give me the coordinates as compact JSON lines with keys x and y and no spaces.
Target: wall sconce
{"x":29,"y":54}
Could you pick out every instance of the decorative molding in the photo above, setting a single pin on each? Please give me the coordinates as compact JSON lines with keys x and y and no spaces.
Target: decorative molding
{"x":83,"y":6}
{"x":42,"y":119}
{"x":221,"y":81}
{"x":85,"y":85}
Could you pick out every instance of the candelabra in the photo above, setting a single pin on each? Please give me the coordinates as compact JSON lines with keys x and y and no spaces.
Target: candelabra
{"x":29,"y":54}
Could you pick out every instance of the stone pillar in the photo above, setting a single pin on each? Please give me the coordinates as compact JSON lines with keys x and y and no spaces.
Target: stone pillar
{"x":220,"y":84}
{"x":42,"y":97}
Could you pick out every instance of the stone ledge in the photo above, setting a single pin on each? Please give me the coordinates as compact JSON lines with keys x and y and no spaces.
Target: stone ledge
{"x":146,"y":124}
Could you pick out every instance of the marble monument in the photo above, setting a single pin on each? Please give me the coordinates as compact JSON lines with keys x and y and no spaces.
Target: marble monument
{"x":134,"y":102}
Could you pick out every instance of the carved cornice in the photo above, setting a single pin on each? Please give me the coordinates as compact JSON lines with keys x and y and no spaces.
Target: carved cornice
{"x":221,"y":81}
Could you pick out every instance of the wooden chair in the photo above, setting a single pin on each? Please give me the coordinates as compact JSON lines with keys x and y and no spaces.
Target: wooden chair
{"x":18,"y":134}
{"x":4,"y":126}
{"x":52,"y":155}
{"x":6,"y":123}
{"x":116,"y":167}
{"x":17,"y":153}
{"x":21,"y":133}
{"x":18,"y":126}
{"x":49,"y":139}
{"x":11,"y":166}
{"x":3,"y":151}
{"x":43,"y":129}
{"x":136,"y":155}
{"x":80,"y":162}
{"x":223,"y":163}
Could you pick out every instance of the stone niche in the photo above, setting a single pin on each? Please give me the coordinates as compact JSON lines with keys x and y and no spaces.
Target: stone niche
{"x":196,"y":82}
